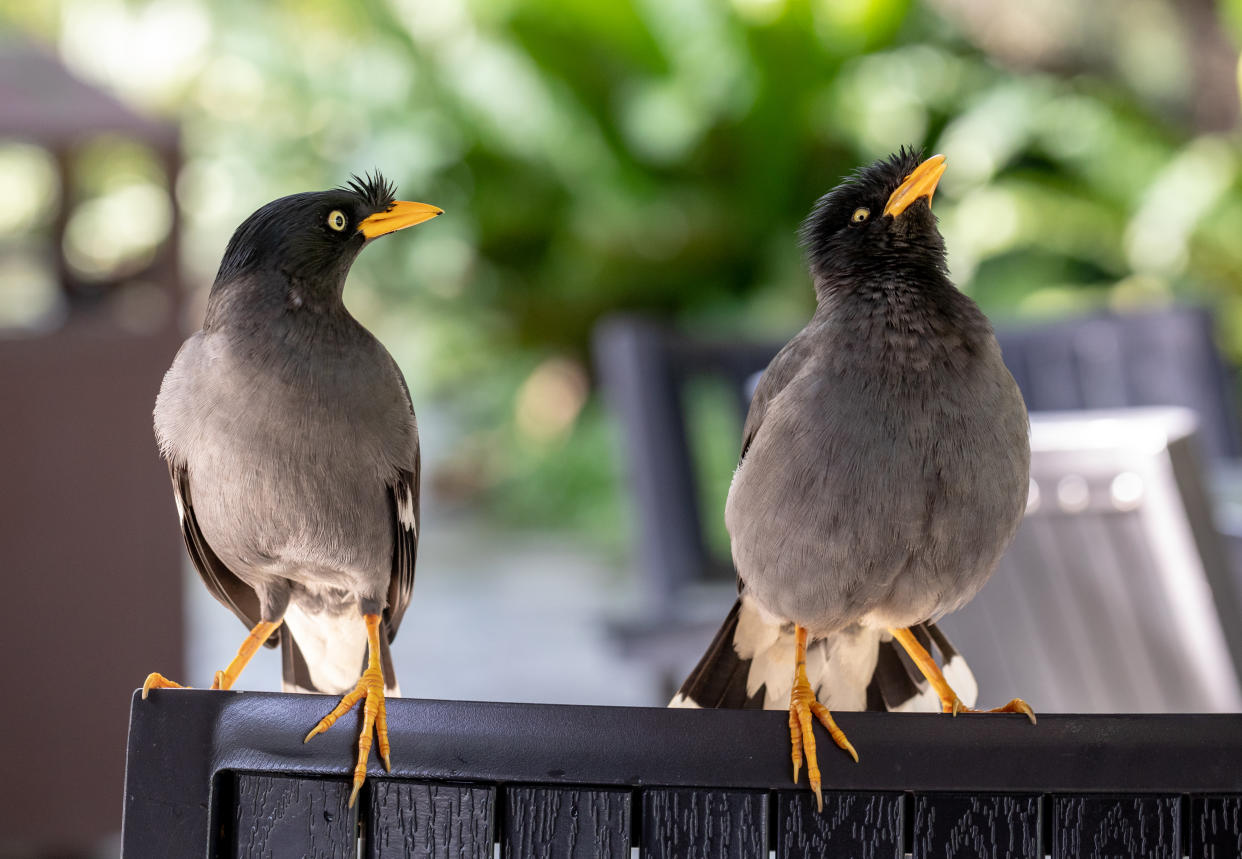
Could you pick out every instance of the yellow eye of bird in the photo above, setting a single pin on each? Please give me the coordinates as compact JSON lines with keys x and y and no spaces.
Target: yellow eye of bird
{"x":336,"y":220}
{"x":860,"y":215}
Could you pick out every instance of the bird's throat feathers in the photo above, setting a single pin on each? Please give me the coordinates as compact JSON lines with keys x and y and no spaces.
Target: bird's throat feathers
{"x":896,"y":323}
{"x":257,"y":299}
{"x":896,"y":262}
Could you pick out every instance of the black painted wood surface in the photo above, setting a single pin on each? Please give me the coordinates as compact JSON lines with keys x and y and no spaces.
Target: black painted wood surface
{"x":855,"y":825}
{"x":566,"y":823}
{"x":429,"y":819}
{"x":192,"y":751}
{"x":1101,"y":826}
{"x":275,"y":817}
{"x":976,"y":826}
{"x":705,"y":824}
{"x":1216,"y":827}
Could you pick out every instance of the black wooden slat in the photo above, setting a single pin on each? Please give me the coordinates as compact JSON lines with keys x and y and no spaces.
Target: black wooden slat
{"x":688,"y":823}
{"x":1216,"y":827}
{"x":1054,"y":377}
{"x":857,"y":825}
{"x":1013,"y":350}
{"x":430,"y":820}
{"x":1103,"y":826}
{"x":976,"y":826}
{"x":1101,"y":365}
{"x":292,"y":818}
{"x":551,"y":823}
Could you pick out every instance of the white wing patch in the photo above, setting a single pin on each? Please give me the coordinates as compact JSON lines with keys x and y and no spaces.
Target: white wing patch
{"x":405,"y":508}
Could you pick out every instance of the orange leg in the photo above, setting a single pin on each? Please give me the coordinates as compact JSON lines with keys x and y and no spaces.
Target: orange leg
{"x":371,"y":686}
{"x":226,"y":678}
{"x":802,"y":705}
{"x":948,"y":698}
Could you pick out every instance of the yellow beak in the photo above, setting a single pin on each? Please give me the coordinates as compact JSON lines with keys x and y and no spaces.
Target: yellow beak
{"x":400,"y":215}
{"x":922,"y":182}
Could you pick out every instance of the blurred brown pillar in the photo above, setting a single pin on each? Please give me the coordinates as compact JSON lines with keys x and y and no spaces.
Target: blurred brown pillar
{"x":90,"y":562}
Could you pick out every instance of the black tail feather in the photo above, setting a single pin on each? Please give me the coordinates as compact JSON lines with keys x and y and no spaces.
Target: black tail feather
{"x":898,"y":684}
{"x":295,"y":674}
{"x":896,"y":679}
{"x":719,"y":680}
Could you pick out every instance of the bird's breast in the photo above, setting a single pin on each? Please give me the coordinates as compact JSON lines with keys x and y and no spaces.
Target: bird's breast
{"x":289,"y":458}
{"x":866,"y":495}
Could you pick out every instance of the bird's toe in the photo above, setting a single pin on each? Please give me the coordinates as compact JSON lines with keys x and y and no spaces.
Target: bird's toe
{"x":370,"y":690}
{"x":1017,"y":705}
{"x":156,"y":680}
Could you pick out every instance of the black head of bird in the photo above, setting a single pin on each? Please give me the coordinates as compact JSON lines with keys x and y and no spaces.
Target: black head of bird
{"x":878,"y":225}
{"x":299,"y":249}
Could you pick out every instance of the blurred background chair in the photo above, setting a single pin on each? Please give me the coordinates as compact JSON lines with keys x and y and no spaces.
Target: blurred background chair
{"x":1163,"y":358}
{"x":1116,"y":594}
{"x":1103,"y":361}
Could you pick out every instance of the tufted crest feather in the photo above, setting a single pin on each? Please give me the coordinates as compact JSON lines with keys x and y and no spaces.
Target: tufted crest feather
{"x":888,"y":172}
{"x":374,"y":189}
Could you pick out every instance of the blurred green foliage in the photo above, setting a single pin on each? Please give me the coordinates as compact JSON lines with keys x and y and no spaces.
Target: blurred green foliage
{"x":658,"y":155}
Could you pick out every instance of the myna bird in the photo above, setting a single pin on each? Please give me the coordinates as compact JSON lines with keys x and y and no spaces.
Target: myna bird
{"x":293,"y":450}
{"x":884,"y":469}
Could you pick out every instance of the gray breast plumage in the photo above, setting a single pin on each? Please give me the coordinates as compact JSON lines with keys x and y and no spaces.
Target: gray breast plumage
{"x":290,"y":443}
{"x":878,"y":490}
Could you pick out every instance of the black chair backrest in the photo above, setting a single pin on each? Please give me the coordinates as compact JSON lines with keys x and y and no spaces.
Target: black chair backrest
{"x":644,"y":368}
{"x":1109,"y":361}
{"x":225,"y":774}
